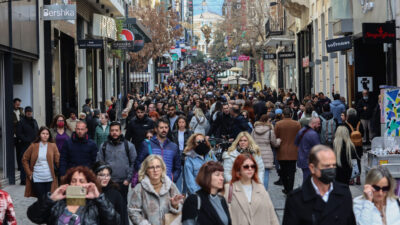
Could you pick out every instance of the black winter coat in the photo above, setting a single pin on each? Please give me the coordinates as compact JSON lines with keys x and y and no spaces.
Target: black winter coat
{"x":240,"y":124}
{"x":97,"y":211}
{"x":260,"y":108}
{"x":116,"y":199}
{"x":365,"y":114}
{"x":175,"y":136}
{"x":92,"y":124}
{"x":305,"y":206}
{"x":207,"y":214}
{"x":137,"y":129}
{"x":222,"y":126}
{"x":343,"y":172}
{"x":27,"y":131}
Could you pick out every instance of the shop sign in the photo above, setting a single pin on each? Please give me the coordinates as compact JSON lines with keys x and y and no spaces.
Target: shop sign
{"x":365,"y":83}
{"x":127,"y":35}
{"x":269,"y":56}
{"x":244,"y":58}
{"x":123,"y":45}
{"x":338,"y":44}
{"x":379,"y":32}
{"x":59,"y":12}
{"x":84,"y":44}
{"x":234,"y":58}
{"x":287,"y":55}
{"x":138,"y":43}
{"x":162,"y":69}
{"x":306,"y":61}
{"x":104,"y":26}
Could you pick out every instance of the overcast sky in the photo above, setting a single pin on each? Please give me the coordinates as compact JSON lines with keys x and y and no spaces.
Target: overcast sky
{"x":214,"y":6}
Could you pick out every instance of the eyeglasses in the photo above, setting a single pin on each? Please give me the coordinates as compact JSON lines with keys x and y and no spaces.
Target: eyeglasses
{"x":154,"y":168}
{"x":200,"y":141}
{"x":247,"y":167}
{"x":102,"y":175}
{"x":384,"y":189}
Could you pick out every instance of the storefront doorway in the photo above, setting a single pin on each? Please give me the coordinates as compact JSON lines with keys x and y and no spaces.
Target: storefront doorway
{"x":68,"y":88}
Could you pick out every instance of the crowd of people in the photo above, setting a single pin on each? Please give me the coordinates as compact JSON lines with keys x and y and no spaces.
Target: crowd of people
{"x":198,"y":152}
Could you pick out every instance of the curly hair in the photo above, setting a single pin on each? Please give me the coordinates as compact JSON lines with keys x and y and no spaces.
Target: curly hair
{"x":191,"y":142}
{"x":54,"y":123}
{"x":252,"y":144}
{"x":145,"y":166}
{"x":88,"y":173}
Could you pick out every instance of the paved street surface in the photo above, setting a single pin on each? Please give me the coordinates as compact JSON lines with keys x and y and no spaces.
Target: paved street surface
{"x":21,"y":203}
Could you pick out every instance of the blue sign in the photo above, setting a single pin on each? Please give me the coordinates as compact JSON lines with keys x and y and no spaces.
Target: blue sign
{"x":234,"y":58}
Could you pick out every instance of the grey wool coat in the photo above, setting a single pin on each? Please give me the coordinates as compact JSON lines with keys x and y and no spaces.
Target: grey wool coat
{"x":148,"y":207}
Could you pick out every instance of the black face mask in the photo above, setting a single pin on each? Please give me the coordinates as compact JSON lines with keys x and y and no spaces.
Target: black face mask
{"x":115,"y":141}
{"x":327,"y":175}
{"x":202,"y":149}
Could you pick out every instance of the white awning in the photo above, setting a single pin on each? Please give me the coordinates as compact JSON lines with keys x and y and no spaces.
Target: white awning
{"x":279,"y":40}
{"x":138,"y":77}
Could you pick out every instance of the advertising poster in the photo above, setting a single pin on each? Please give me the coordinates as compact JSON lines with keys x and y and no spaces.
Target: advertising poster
{"x":391,"y":104}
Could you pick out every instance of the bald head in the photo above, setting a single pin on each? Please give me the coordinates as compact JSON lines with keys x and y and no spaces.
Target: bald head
{"x":315,"y":123}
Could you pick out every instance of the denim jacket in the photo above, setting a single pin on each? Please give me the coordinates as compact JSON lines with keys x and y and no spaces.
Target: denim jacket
{"x":193,"y":163}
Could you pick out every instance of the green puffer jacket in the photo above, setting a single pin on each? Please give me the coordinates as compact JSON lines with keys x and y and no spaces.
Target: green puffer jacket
{"x":101,"y":135}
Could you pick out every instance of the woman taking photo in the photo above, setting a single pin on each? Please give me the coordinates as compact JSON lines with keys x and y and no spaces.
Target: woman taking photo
{"x":111,"y":190}
{"x":265,"y":138}
{"x":197,"y":153}
{"x":60,"y":131}
{"x":378,"y":205}
{"x":155,"y":196}
{"x":102,"y":130}
{"x":249,"y":203}
{"x":345,"y":152}
{"x":243,"y":143}
{"x":207,"y":206}
{"x":53,"y":209}
{"x":39,"y":161}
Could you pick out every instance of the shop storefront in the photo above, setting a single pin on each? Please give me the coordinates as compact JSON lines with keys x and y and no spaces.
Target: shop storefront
{"x":305,"y":56}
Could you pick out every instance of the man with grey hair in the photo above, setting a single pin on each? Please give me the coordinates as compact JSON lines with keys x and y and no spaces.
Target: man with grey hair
{"x":320,"y":200}
{"x":307,"y":138}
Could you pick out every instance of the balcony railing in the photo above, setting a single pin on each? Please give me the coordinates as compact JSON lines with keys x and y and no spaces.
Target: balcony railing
{"x":274,"y":27}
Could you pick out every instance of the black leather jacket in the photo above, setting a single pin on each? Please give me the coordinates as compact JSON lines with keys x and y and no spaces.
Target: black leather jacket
{"x":97,"y":211}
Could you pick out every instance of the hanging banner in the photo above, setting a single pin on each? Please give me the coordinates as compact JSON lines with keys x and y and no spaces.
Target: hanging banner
{"x":244,"y":58}
{"x":287,"y":55}
{"x":269,"y":56}
{"x":338,"y":44}
{"x":379,"y":32}
{"x":85,"y":44}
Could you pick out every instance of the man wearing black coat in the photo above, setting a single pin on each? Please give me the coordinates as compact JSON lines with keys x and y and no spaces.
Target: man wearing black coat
{"x":93,"y":123}
{"x":138,"y":127}
{"x":239,"y":123}
{"x":365,"y":107}
{"x":27,"y":132}
{"x":320,"y":200}
{"x":222,"y":126}
{"x":260,"y":107}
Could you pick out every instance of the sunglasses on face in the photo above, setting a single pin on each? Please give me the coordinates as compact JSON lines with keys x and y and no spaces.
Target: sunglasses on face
{"x":200,"y":141}
{"x":249,"y":166}
{"x":384,"y":189}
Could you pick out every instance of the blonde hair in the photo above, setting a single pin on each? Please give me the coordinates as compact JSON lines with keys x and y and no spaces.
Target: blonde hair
{"x":252,"y":144}
{"x":198,"y":112}
{"x":376,"y":174}
{"x":191,"y":142}
{"x":108,"y":103}
{"x":342,"y":135}
{"x":145,"y":166}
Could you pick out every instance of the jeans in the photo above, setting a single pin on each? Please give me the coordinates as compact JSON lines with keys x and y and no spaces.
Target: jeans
{"x":288,"y":171}
{"x":123,"y":189}
{"x":41,"y":188}
{"x":180,"y":183}
{"x":306,"y":173}
{"x":266,"y":178}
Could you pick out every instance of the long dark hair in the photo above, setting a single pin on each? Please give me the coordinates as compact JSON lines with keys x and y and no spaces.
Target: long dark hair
{"x":37,"y":140}
{"x":53,"y":124}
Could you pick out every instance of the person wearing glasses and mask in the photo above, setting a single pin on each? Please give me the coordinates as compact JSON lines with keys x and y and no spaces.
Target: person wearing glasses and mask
{"x":155,"y":195}
{"x":197,"y":153}
{"x":249,"y":202}
{"x":110,"y":189}
{"x":378,"y":205}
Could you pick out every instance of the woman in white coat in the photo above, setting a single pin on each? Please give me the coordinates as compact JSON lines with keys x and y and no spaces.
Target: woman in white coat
{"x":378,"y":205}
{"x":199,"y":123}
{"x":243,"y":143}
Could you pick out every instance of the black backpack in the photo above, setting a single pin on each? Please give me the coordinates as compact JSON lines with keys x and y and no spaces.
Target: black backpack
{"x":126,"y":150}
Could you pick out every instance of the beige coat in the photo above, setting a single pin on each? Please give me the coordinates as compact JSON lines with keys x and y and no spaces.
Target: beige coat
{"x":264,"y":136}
{"x":29,"y":161}
{"x":260,"y":211}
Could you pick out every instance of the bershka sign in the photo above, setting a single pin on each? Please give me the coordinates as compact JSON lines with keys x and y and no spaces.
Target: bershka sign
{"x":338,"y":44}
{"x":287,"y":55}
{"x":379,"y":32}
{"x":59,"y":12}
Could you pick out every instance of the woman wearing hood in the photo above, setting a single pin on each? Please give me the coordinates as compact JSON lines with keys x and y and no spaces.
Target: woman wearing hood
{"x":265,"y":138}
{"x":197,"y":153}
{"x":199,"y":123}
{"x":243,"y":143}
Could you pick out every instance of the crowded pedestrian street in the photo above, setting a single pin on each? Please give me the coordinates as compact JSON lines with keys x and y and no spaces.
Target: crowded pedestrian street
{"x":199,"y":112}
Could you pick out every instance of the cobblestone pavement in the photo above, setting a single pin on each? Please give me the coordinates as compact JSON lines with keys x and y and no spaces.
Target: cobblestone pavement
{"x":21,"y":203}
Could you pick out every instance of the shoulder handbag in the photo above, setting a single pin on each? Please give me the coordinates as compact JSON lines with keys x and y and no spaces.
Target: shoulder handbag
{"x":355,"y":172}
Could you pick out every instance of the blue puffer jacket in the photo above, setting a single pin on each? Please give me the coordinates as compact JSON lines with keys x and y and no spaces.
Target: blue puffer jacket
{"x":309,"y":140}
{"x":169,"y":152}
{"x":77,"y":152}
{"x":337,"y":108}
{"x":193,"y":164}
